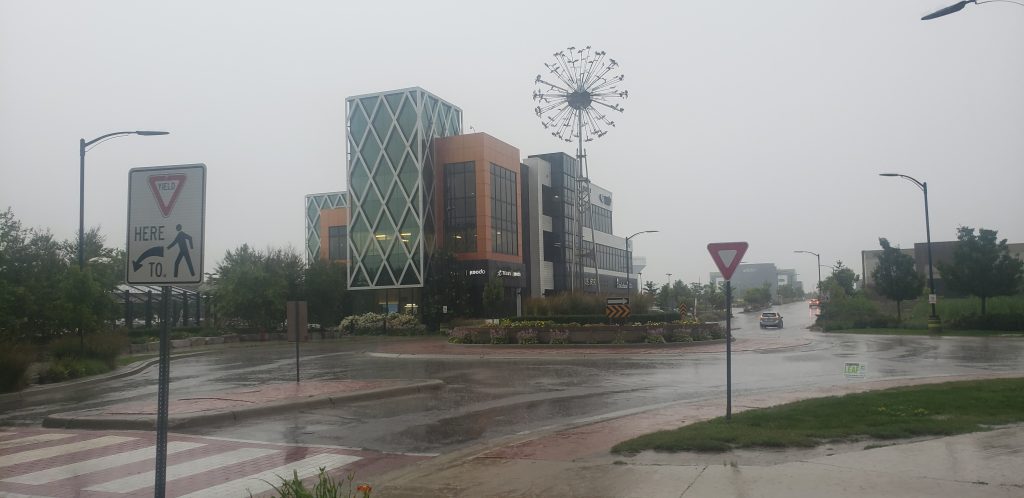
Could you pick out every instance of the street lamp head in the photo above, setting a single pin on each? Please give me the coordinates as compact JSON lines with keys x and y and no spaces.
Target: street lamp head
{"x":147,"y":133}
{"x":957,"y":7}
{"x":888,"y":174}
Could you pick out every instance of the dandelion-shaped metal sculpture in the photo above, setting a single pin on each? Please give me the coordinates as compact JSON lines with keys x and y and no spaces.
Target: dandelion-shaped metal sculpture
{"x":574,"y":100}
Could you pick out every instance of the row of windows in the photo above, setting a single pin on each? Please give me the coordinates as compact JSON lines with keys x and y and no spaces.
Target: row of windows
{"x":460,"y":207}
{"x":504,"y":214}
{"x":337,"y":248}
{"x":602,"y":219}
{"x":608,"y":258}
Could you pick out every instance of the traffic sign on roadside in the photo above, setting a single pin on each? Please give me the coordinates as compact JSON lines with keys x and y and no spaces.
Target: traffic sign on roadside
{"x":617,"y":300}
{"x":166,"y":224}
{"x":617,"y":311}
{"x":727,"y":256}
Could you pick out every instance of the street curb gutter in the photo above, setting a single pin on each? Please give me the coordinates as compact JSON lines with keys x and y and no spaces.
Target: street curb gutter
{"x":71,"y":420}
{"x":126,"y":371}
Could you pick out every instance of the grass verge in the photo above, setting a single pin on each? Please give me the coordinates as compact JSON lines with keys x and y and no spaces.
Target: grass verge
{"x":905,"y":412}
{"x":945,"y":332}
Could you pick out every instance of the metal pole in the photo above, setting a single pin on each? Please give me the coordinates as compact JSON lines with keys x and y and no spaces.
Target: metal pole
{"x":819,"y":276}
{"x":934,"y":318}
{"x":163,"y":395}
{"x":81,"y":228}
{"x":629,"y":269}
{"x":728,"y":350}
{"x":295,"y":327}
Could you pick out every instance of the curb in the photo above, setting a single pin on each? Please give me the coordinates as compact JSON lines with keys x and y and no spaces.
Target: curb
{"x":71,"y":420}
{"x":125,"y":371}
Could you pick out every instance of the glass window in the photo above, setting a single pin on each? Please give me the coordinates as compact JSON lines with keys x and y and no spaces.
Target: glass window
{"x":460,"y":207}
{"x":504,"y":219}
{"x":337,"y":243}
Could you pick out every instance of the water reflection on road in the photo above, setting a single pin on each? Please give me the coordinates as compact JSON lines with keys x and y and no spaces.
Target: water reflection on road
{"x":486,"y":398}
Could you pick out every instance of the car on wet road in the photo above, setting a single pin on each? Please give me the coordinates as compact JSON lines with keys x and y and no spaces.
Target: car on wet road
{"x":771,"y":319}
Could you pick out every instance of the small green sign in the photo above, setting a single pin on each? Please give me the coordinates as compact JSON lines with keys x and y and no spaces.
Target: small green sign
{"x":854,"y":369}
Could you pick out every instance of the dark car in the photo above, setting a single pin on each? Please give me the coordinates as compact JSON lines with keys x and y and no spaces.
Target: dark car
{"x":771,"y":319}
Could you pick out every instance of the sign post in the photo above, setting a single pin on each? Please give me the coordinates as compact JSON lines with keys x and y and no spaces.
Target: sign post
{"x":166,"y":227}
{"x":727,"y":256}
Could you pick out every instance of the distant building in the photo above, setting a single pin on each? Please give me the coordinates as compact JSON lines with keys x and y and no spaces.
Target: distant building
{"x":417,"y":184}
{"x":754,"y":275}
{"x":942,"y":252}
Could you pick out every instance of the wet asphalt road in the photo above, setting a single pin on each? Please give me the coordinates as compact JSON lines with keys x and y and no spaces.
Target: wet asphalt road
{"x":488,"y":398}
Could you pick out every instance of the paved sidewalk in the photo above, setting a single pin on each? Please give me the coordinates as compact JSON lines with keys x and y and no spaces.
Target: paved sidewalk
{"x":576,"y":462}
{"x":213,"y":407}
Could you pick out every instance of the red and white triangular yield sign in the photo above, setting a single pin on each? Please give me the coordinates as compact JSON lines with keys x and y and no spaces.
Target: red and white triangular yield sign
{"x":166,"y":189}
{"x":727,"y":255}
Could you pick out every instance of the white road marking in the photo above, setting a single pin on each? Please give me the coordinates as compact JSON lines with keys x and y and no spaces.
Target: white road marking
{"x":98,"y":464}
{"x":41,"y":438}
{"x":41,"y":453}
{"x":264,"y":481}
{"x":140,"y":481}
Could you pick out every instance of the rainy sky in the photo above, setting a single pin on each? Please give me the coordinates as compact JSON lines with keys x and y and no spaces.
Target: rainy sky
{"x":765,"y":122}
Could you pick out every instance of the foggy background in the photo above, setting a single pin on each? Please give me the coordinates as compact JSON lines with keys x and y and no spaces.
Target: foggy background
{"x":765,"y":122}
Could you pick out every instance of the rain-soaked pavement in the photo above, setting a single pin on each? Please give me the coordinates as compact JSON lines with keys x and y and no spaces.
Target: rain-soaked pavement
{"x":486,"y":398}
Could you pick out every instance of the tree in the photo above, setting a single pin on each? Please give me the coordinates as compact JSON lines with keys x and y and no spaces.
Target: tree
{"x":650,"y":288}
{"x":982,"y":266}
{"x":253,"y":286}
{"x":327,"y":294}
{"x":758,"y":297}
{"x":844,"y":278}
{"x":445,"y":285}
{"x":895,"y":276}
{"x":494,"y":294}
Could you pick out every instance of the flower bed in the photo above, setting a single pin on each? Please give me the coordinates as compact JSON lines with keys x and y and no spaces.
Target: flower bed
{"x":587,"y":334}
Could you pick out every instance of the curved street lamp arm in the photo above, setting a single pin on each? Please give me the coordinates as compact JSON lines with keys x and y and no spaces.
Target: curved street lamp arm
{"x":957,"y":7}
{"x":920,"y":185}
{"x":116,"y":134}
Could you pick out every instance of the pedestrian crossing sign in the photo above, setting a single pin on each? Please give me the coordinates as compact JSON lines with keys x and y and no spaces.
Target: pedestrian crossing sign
{"x":166,"y":224}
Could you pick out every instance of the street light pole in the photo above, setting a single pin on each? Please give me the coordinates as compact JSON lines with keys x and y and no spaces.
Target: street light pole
{"x":82,"y":147}
{"x":629,"y":261}
{"x":934,"y":322}
{"x":957,"y":7}
{"x":816,"y":255}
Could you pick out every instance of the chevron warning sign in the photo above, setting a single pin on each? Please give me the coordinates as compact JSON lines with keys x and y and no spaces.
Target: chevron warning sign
{"x":617,"y":310}
{"x":682,"y":309}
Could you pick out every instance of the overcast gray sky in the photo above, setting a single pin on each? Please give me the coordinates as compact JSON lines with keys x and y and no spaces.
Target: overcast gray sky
{"x":746,"y":120}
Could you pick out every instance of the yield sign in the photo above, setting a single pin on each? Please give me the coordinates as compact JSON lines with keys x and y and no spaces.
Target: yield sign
{"x":727,"y":255}
{"x":166,"y":189}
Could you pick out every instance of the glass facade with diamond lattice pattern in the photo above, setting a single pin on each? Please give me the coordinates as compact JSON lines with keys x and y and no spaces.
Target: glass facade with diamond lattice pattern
{"x":391,"y":184}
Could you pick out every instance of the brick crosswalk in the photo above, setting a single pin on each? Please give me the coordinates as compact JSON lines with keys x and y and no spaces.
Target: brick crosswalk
{"x":38,"y":463}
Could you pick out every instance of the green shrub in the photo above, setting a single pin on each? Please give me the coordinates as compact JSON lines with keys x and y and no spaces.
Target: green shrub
{"x":325,"y":487}
{"x":1009,"y":322}
{"x":596,"y":319}
{"x":373,"y":323}
{"x":102,"y":346}
{"x":528,"y":336}
{"x":72,"y":368}
{"x":853,"y":312}
{"x":14,"y":362}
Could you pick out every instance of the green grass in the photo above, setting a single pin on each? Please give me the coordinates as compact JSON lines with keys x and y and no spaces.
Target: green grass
{"x":945,"y":332}
{"x":129,"y":359}
{"x":940,"y":409}
{"x":956,"y":307}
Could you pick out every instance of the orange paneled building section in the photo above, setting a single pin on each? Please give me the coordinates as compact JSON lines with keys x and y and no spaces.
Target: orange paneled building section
{"x":482,"y":150}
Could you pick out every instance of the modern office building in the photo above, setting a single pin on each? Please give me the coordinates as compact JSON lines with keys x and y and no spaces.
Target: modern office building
{"x":563,"y":257}
{"x":417,"y":184}
{"x":753,"y":275}
{"x":942,"y":252}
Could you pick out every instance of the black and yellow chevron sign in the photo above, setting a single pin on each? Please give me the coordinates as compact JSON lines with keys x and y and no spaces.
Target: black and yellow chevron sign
{"x":682,"y":309}
{"x":617,"y":310}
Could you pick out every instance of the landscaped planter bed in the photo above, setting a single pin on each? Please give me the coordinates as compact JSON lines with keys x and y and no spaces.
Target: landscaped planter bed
{"x":588,"y":334}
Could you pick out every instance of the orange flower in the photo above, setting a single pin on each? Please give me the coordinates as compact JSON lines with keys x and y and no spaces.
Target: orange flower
{"x":364,"y":488}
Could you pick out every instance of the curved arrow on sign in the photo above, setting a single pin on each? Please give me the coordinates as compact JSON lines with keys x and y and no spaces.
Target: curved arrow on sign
{"x":157,"y":251}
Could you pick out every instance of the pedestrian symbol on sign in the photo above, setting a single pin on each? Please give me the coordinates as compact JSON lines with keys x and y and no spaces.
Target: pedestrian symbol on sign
{"x":184,"y":243}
